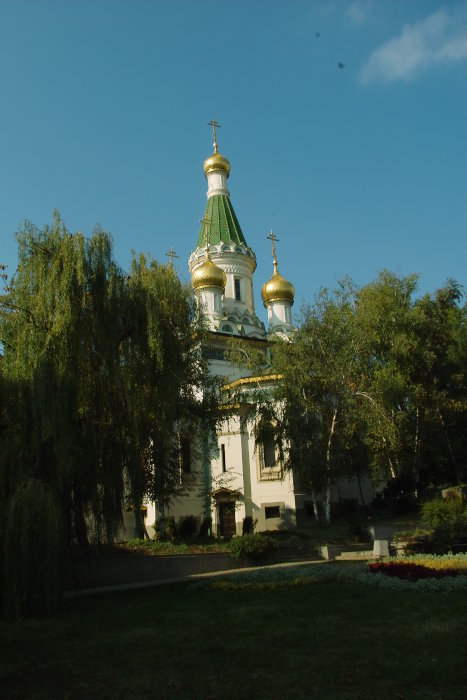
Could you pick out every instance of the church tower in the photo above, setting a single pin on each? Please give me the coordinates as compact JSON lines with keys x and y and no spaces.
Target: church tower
{"x":278,"y":297}
{"x":222,"y":264}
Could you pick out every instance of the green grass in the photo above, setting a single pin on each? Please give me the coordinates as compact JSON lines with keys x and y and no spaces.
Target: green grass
{"x":333,"y":640}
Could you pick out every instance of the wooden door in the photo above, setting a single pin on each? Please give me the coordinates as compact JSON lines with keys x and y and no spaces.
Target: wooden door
{"x":227,"y":525}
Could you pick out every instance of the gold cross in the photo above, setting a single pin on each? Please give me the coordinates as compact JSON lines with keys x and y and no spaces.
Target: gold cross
{"x":273,"y":238}
{"x":213,"y":123}
{"x":171,"y":254}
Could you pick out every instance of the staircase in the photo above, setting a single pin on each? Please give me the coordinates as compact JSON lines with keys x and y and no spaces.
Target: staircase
{"x":294,"y":550}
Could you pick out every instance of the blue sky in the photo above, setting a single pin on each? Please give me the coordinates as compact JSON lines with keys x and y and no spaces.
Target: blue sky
{"x":359,"y":168}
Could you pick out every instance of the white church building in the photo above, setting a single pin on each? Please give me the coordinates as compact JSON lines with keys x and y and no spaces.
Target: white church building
{"x":236,"y":478}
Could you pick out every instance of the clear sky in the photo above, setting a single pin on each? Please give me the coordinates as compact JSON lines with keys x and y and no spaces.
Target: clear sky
{"x":104,"y":111}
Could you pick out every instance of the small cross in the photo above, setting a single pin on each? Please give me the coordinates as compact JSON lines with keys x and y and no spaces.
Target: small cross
{"x":206,"y":233}
{"x":213,"y":123}
{"x":273,"y":238}
{"x":171,"y":254}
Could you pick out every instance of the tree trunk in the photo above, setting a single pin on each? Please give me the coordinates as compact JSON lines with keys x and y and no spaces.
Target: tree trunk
{"x":360,"y":488}
{"x":450,"y":450}
{"x":161,"y":518}
{"x":140,"y":527}
{"x":327,"y":501}
{"x":315,"y":505}
{"x":417,"y":446}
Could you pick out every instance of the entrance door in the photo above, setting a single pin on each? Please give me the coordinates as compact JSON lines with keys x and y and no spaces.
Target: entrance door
{"x":227,"y":519}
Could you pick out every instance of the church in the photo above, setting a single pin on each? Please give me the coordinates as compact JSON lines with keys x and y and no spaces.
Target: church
{"x":237,"y":478}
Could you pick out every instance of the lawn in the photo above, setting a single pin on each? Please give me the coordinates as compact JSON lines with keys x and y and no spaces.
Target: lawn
{"x":336,"y":640}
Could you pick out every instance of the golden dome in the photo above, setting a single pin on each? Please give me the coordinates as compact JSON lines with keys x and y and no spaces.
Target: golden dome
{"x":216,"y":162}
{"x":277,"y":289}
{"x":208,"y":275}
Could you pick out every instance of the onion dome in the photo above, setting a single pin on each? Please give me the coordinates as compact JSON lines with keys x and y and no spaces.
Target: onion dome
{"x":216,"y":162}
{"x":208,"y":275}
{"x":277,"y":289}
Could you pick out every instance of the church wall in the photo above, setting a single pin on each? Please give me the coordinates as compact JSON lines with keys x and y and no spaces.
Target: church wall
{"x":272,"y":494}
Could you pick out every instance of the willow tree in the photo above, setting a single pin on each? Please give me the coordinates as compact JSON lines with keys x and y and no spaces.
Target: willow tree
{"x":167,"y":386}
{"x":99,"y":370}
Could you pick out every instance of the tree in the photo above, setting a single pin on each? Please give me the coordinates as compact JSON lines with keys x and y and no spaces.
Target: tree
{"x":313,"y":407}
{"x":168,"y":388}
{"x":100,"y":371}
{"x":372,"y":382}
{"x":414,"y":359}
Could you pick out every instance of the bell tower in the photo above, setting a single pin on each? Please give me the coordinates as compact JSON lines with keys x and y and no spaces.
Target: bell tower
{"x":221,"y":242}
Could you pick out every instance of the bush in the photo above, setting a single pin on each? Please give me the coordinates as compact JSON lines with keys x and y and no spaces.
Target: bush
{"x":252,"y":545}
{"x":170,"y":530}
{"x":206,"y":528}
{"x":249,"y":525}
{"x":441,"y":512}
{"x":32,"y":552}
{"x":448,"y":520}
{"x":187,"y":527}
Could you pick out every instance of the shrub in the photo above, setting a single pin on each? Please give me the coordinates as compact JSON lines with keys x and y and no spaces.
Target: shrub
{"x":441,"y":512}
{"x":169,"y":532}
{"x":187,"y":527}
{"x":252,"y":545}
{"x":32,"y":552}
{"x":448,"y":520}
{"x":206,"y":528}
{"x":249,"y":525}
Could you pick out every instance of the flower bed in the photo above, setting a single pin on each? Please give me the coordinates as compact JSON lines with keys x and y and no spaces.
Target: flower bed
{"x":412,"y":571}
{"x":322,"y":573}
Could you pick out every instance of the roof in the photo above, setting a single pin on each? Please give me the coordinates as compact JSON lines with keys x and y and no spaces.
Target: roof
{"x":224,"y":226}
{"x":243,"y":381}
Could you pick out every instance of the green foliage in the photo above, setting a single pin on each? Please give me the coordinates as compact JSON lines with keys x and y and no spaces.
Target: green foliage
{"x":248,"y":525}
{"x":187,"y":527}
{"x":265,"y":578}
{"x":254,"y":546}
{"x":416,"y":534}
{"x":32,"y":552}
{"x":172,"y":548}
{"x":166,"y":529}
{"x":439,"y":512}
{"x":99,"y":374}
{"x":373,"y":382}
{"x":206,"y":528}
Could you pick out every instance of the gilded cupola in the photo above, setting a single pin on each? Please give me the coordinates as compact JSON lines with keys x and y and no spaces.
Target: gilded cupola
{"x":208,"y":275}
{"x":215,"y":161}
{"x":277,"y":288}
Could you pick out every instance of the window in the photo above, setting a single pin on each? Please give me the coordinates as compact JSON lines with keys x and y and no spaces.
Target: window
{"x":268,"y":459}
{"x":185,"y":455}
{"x":269,"y":454}
{"x":237,"y":289}
{"x":224,"y":466}
{"x":272,"y":512}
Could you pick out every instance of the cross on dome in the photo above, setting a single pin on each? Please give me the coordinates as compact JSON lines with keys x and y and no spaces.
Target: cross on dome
{"x":206,"y":232}
{"x":213,"y":123}
{"x":273,"y":238}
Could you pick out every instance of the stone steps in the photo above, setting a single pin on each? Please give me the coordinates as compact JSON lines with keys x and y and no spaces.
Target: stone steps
{"x":355,"y":556}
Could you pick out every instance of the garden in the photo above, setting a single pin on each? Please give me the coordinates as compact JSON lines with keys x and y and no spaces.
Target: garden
{"x":337,"y":631}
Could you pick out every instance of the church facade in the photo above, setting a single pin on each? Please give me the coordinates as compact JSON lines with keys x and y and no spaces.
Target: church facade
{"x":235,"y":478}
